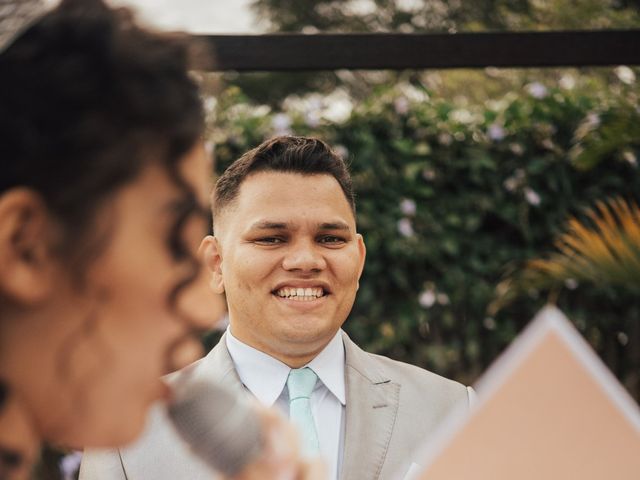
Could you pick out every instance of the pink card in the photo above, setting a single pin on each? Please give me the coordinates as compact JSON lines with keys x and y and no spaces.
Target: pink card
{"x":548,"y":409}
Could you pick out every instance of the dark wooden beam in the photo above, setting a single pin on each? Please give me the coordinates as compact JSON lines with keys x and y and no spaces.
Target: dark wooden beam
{"x":297,"y":52}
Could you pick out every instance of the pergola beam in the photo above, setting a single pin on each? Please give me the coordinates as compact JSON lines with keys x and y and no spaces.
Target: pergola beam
{"x":299,"y":52}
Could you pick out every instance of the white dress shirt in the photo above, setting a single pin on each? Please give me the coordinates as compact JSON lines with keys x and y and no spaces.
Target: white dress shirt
{"x":266,"y":379}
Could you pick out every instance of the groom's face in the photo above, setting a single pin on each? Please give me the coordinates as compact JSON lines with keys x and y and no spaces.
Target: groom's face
{"x":289,"y":260}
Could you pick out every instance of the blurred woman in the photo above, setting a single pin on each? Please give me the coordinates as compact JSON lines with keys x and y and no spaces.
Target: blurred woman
{"x":103,"y":187}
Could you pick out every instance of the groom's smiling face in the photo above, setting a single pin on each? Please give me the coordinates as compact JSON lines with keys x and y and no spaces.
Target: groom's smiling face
{"x":289,"y":259}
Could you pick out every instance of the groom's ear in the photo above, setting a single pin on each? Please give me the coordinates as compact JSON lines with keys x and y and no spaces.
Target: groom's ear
{"x":212,"y":254}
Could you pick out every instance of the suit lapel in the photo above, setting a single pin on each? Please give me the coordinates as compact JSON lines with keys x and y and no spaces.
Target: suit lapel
{"x":372,"y":405}
{"x":216,"y":366}
{"x":160,"y":454}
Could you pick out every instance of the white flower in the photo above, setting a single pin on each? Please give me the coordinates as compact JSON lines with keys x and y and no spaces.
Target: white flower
{"x":362,"y":7}
{"x":443,"y":298}
{"x":428,"y":174}
{"x":516,"y":148}
{"x":461,"y":115}
{"x":260,"y":111}
{"x":459,"y":136}
{"x":422,"y":148}
{"x":411,"y":93}
{"x":210,"y":104}
{"x":497,"y":105}
{"x":496,"y":132}
{"x":489,"y":323}
{"x":338,"y":109}
{"x":312,"y":119}
{"x":341,"y":151}
{"x":589,"y":124}
{"x":630,"y":158}
{"x":410,"y":5}
{"x":510,"y":184}
{"x":405,"y":228}
{"x":625,"y":74}
{"x":567,"y":82}
{"x":571,"y":283}
{"x":408,"y":207}
{"x":537,"y":90}
{"x":401,"y":105}
{"x":623,"y":338}
{"x":532,"y":197}
{"x":592,"y":121}
{"x":444,"y":138}
{"x":314,"y":102}
{"x":240,"y":111}
{"x":548,"y":144}
{"x":427,"y":298}
{"x":281,"y":124}
{"x":294,"y":103}
{"x":312,"y":106}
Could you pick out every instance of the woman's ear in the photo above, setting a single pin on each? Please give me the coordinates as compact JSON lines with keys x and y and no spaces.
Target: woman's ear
{"x":212,"y":255}
{"x":27,"y":273}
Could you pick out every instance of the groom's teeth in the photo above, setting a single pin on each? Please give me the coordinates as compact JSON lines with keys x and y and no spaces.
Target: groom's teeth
{"x":300,"y":293}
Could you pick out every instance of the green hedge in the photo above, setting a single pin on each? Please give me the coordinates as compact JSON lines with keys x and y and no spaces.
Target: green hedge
{"x":450,"y":196}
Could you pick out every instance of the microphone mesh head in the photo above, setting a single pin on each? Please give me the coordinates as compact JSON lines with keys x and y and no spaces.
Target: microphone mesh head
{"x":220,"y":428}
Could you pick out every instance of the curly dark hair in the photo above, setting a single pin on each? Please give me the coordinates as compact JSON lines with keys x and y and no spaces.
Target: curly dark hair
{"x":87,"y":99}
{"x":290,"y":154}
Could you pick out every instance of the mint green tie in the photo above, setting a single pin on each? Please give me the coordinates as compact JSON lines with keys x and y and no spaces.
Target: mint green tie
{"x":300,"y":383}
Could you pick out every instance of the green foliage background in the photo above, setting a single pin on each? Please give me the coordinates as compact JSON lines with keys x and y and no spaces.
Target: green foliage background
{"x":491,"y":182}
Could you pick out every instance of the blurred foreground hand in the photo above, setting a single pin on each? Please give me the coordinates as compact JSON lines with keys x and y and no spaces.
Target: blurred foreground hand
{"x":281,"y":458}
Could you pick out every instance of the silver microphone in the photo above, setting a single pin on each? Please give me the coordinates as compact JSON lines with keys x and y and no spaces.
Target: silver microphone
{"x":221,"y":429}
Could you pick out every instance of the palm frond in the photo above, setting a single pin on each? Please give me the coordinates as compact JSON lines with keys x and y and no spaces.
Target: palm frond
{"x":604,"y":249}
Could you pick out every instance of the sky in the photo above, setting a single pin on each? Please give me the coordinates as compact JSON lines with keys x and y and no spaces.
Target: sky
{"x":195,"y":16}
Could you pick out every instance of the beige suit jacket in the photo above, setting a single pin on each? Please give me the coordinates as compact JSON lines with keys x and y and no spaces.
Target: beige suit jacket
{"x":391,"y":408}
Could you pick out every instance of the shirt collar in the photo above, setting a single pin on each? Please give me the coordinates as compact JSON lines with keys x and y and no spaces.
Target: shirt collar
{"x":262,"y":374}
{"x":329,"y":366}
{"x":265,"y":376}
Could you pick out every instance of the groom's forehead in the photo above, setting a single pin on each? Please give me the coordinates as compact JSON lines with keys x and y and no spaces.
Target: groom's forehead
{"x":270,"y":185}
{"x":276,"y":197}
